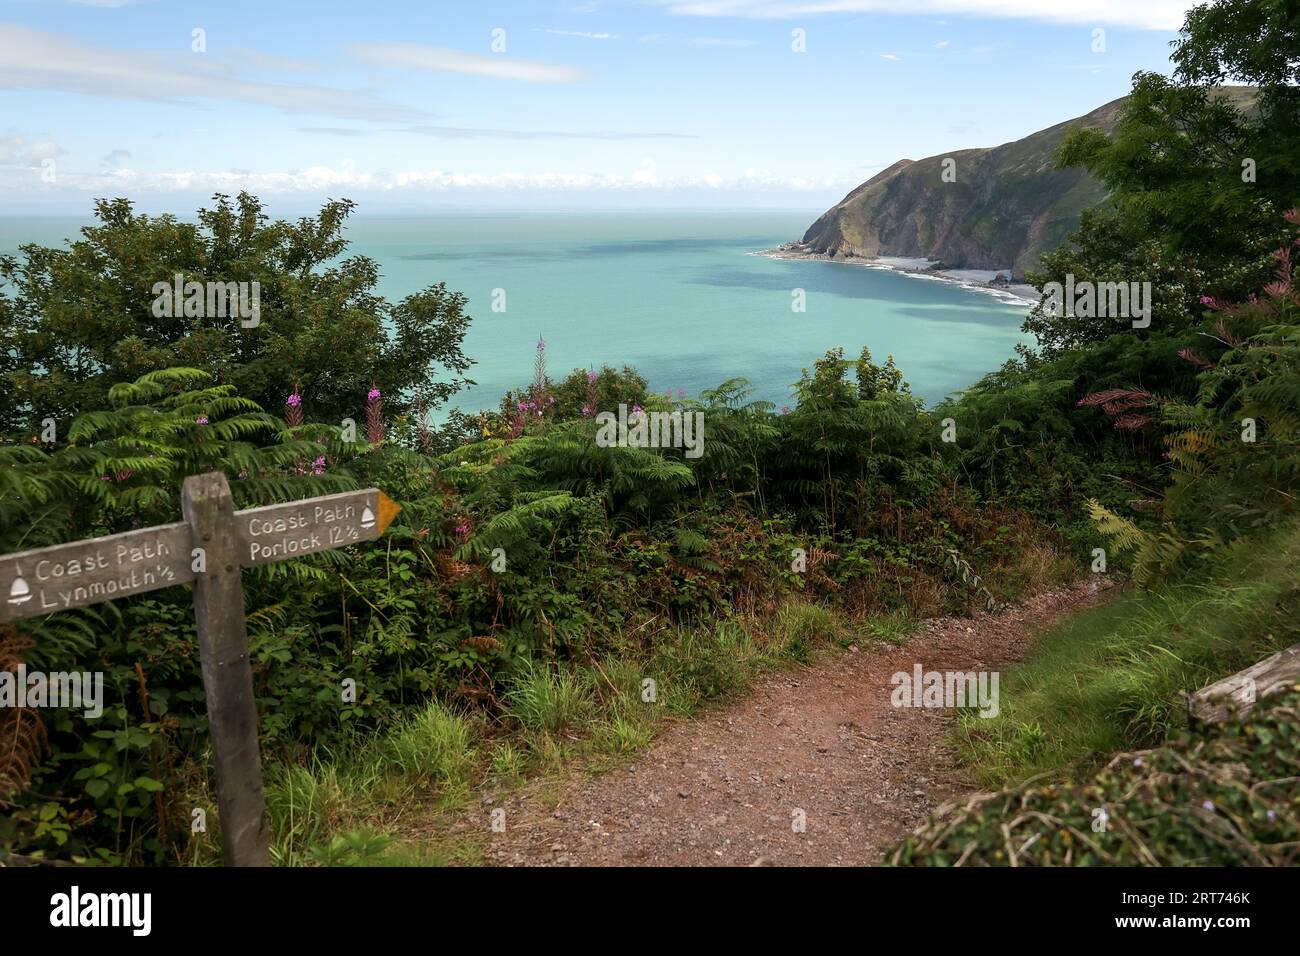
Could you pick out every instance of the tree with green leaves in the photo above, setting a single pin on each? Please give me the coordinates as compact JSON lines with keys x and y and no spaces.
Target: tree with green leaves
{"x":76,"y":321}
{"x":1199,"y":174}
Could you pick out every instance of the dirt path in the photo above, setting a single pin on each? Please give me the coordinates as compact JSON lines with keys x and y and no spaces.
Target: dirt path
{"x":824,"y":740}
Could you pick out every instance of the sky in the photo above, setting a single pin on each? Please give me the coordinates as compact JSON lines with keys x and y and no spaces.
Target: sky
{"x":415,"y":107}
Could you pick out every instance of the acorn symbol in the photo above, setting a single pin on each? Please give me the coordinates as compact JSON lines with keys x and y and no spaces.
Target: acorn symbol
{"x":367,"y":517}
{"x":19,"y":592}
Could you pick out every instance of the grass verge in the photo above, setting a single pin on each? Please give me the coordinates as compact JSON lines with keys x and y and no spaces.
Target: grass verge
{"x":1112,"y":678}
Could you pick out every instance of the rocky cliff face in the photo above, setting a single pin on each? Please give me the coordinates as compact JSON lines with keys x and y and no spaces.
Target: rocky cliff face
{"x":1006,"y":207}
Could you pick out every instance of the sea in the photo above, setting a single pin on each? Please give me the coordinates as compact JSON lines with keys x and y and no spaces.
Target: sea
{"x":683,"y":297}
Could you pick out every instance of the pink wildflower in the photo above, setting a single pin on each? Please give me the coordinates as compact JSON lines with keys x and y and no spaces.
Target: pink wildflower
{"x":293,"y":409}
{"x":374,"y":417}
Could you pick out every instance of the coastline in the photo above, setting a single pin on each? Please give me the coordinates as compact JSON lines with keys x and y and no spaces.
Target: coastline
{"x":977,"y":280}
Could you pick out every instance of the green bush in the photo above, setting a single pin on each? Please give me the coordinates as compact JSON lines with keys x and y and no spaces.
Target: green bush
{"x":1227,"y":797}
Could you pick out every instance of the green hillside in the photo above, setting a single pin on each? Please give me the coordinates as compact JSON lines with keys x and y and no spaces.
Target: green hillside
{"x":1007,"y":206}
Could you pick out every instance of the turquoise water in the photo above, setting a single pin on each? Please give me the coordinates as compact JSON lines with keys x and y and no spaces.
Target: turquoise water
{"x":676,"y":295}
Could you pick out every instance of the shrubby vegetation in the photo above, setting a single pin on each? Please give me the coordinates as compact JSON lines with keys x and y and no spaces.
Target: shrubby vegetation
{"x":1221,"y":798}
{"x":621,"y":563}
{"x":846,"y":513}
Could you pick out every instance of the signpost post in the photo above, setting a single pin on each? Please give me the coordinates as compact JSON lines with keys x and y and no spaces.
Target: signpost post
{"x":209,"y":548}
{"x":227,"y":671}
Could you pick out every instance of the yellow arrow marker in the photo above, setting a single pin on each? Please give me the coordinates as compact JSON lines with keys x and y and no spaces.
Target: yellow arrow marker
{"x":388,"y":509}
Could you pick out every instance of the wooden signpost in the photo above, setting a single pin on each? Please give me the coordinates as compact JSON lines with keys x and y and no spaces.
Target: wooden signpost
{"x":209,"y":548}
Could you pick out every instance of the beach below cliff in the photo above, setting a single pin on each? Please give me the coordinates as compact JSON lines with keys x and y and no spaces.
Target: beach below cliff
{"x":979,"y":280}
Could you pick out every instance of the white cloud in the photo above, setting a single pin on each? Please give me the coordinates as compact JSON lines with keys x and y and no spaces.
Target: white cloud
{"x":43,"y":149}
{"x":889,"y":56}
{"x":943,"y":44}
{"x":696,"y":41}
{"x":39,"y":60}
{"x":584,"y":34}
{"x":479,"y":132}
{"x":272,"y":62}
{"x":20,"y":151}
{"x":647,"y":174}
{"x":136,"y":183}
{"x":719,"y":41}
{"x":337,"y":131}
{"x":441,"y":60}
{"x":1145,"y":14}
